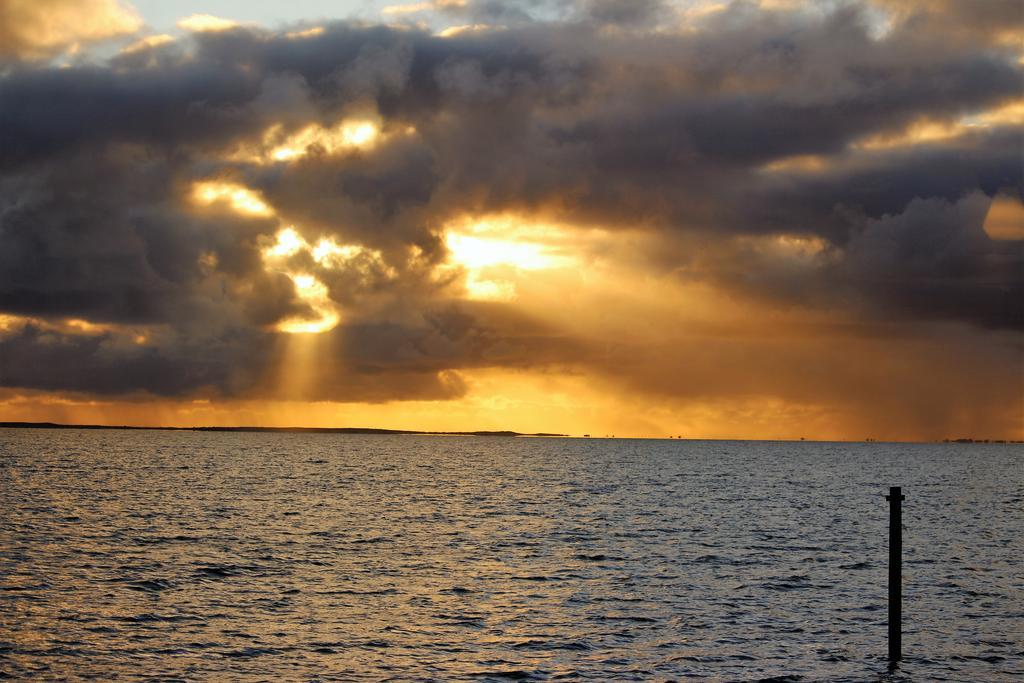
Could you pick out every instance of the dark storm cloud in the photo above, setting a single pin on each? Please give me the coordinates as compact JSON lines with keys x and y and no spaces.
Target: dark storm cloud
{"x":380,"y":200}
{"x":32,"y":358}
{"x":935,"y":260}
{"x":46,"y":113}
{"x":930,"y":260}
{"x":103,"y":236}
{"x":662,"y":129}
{"x":833,"y":202}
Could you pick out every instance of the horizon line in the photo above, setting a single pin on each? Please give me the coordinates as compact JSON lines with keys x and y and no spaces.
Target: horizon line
{"x":419,"y":432}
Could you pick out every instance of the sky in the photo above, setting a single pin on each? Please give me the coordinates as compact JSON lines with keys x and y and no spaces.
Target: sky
{"x":766,"y":220}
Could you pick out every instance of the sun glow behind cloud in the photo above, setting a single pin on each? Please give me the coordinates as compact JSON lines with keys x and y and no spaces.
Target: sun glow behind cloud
{"x":327,"y":254}
{"x":279,"y":145}
{"x":315,"y":294}
{"x":308,"y":288}
{"x":347,"y":135}
{"x":238,"y":197}
{"x":481,"y":252}
{"x":289,"y":242}
{"x":495,"y":251}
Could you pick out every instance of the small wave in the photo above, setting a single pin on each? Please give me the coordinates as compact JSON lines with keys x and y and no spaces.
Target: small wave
{"x":788,"y":583}
{"x":991,"y":659}
{"x":511,"y":675}
{"x":719,"y":559}
{"x":149,"y":540}
{"x":699,"y":659}
{"x":150,"y":585}
{"x":375,"y":643}
{"x":855,"y":566}
{"x":151,"y":617}
{"x":250,"y":652}
{"x":29,"y":587}
{"x":471,"y":619}
{"x":539,"y":644}
{"x":639,"y":620}
{"x":352,"y":591}
{"x":223,"y":571}
{"x":870,"y":608}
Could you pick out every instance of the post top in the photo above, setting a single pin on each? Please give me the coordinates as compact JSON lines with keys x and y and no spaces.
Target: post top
{"x":895,"y":493}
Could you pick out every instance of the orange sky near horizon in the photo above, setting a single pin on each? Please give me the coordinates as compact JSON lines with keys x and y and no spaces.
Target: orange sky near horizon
{"x":528,"y":405}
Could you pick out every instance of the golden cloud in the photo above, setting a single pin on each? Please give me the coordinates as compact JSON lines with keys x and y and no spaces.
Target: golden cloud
{"x":35,"y":29}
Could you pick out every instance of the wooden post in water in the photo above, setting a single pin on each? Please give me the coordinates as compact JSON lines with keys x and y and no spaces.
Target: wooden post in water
{"x":895,"y":499}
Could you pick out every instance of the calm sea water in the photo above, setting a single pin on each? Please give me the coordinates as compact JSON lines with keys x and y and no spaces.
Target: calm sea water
{"x":179,"y":555}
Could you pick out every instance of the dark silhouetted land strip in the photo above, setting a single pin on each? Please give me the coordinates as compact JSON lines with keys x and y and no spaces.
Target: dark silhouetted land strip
{"x":299,"y":430}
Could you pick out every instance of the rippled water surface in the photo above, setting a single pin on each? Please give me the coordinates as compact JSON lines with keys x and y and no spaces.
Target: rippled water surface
{"x":336,"y":557}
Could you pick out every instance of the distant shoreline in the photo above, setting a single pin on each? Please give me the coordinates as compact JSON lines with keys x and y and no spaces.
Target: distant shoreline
{"x":298,"y":430}
{"x":415,"y":432}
